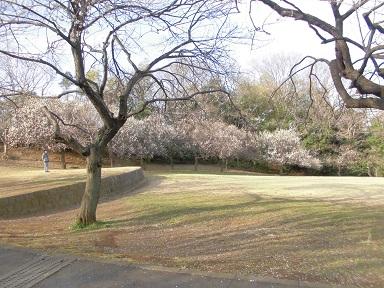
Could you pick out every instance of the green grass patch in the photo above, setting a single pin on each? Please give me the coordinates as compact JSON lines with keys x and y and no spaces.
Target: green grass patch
{"x":79,"y":227}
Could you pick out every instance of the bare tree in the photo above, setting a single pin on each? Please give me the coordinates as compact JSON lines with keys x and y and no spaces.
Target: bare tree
{"x":128,"y":41}
{"x":358,"y":60}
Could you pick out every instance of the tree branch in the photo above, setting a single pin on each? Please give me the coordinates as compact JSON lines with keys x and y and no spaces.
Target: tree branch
{"x":62,"y":138}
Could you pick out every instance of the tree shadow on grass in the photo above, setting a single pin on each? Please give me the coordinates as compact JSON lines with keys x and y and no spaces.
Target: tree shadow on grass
{"x":271,"y":212}
{"x":333,"y":239}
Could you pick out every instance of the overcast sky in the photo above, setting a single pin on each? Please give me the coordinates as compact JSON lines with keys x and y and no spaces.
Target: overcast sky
{"x":287,"y":36}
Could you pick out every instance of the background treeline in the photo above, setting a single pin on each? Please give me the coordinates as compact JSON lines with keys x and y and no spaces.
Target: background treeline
{"x":262,"y":125}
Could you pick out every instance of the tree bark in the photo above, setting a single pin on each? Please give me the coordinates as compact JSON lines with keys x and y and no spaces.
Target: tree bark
{"x":369,"y":171}
{"x":196,"y":164}
{"x":63,"y":165}
{"x":112,"y":159}
{"x":87,"y":214}
{"x":5,"y":146}
{"x":5,"y":151}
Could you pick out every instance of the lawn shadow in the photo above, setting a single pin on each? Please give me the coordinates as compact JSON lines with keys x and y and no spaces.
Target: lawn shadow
{"x":284,"y":213}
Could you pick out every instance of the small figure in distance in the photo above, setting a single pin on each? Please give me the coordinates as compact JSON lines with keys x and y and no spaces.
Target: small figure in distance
{"x":45,"y":159}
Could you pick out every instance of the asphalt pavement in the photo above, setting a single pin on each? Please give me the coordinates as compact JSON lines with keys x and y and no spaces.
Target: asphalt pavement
{"x":25,"y":268}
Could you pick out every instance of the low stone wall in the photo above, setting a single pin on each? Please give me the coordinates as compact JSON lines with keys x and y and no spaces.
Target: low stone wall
{"x":65,"y":196}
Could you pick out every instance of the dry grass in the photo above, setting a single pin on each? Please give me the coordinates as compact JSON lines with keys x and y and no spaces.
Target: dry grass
{"x":326,"y":229}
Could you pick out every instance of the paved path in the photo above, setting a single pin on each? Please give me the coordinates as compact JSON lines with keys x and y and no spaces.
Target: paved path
{"x":22,"y":268}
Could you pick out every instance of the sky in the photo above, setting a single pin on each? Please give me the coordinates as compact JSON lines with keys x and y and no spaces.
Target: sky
{"x":287,"y":36}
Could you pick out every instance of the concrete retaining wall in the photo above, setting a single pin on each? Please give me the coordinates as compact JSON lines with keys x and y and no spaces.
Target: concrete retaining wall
{"x":65,"y":196}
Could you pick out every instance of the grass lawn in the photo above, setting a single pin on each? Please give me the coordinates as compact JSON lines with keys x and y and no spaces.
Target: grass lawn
{"x":327,"y":229}
{"x":20,"y":180}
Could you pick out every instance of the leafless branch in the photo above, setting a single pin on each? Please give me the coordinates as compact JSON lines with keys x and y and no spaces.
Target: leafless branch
{"x":63,"y":138}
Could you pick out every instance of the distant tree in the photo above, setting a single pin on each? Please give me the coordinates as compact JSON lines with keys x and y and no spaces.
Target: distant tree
{"x":268,"y":102}
{"x":5,"y":116}
{"x":15,"y":78}
{"x":29,"y":126}
{"x":375,"y":147}
{"x":175,"y":140}
{"x":283,"y":147}
{"x":329,"y":130}
{"x":346,"y":157}
{"x":254,"y":100}
{"x":141,"y":138}
{"x":228,"y":142}
{"x":198,"y":138}
{"x":7,"y":109}
{"x":319,"y":116}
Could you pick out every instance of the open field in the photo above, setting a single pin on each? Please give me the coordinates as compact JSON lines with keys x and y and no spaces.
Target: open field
{"x":20,"y":180}
{"x":327,"y":229}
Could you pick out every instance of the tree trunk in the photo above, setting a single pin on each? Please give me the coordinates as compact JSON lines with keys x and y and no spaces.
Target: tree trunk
{"x":369,"y":171}
{"x":172,"y":164}
{"x":62,"y":160}
{"x":87,"y":214}
{"x":221,"y":165}
{"x":226,"y":164}
{"x":112,"y":159}
{"x":376,"y":172}
{"x":338,"y":170}
{"x":142,"y":164}
{"x":196,"y":163}
{"x":5,"y":150}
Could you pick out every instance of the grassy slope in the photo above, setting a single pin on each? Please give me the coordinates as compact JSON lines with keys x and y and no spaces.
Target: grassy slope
{"x":325,"y":229}
{"x":19,"y":180}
